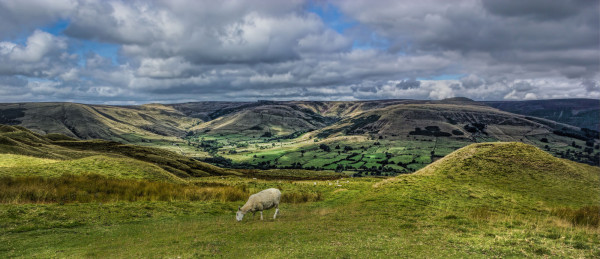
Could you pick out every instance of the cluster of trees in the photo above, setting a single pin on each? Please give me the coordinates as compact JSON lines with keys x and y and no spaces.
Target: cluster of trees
{"x":583,"y":134}
{"x":430,"y":131}
{"x":475,"y":127}
{"x":586,"y":156}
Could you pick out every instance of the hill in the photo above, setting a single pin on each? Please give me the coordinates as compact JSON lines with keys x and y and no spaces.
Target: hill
{"x":57,"y":153}
{"x":457,"y":119}
{"x":526,"y":173}
{"x":118,"y":123}
{"x":269,"y":119}
{"x":378,"y":137}
{"x":109,"y":166}
{"x":583,"y":113}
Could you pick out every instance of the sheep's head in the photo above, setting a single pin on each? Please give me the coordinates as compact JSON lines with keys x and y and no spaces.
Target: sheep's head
{"x":239,"y":215}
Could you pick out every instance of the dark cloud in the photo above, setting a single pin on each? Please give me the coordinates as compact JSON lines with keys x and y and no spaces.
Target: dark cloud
{"x":19,"y":16}
{"x":522,"y":86}
{"x":537,"y":9}
{"x":471,"y":81}
{"x":409,"y":84}
{"x":591,"y":85}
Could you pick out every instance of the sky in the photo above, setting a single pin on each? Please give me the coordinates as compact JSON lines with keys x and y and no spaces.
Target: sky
{"x":173,"y":51}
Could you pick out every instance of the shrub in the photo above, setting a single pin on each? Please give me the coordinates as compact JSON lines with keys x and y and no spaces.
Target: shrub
{"x":300,"y":197}
{"x":457,"y":132}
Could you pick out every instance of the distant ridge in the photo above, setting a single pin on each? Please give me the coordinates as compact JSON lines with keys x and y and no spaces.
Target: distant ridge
{"x":583,"y":113}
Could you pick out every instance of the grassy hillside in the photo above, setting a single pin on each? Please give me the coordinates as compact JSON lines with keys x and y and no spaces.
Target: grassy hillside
{"x":484,"y":200}
{"x":268,"y":120}
{"x":54,"y":154}
{"x":510,"y":175}
{"x":113,"y":166}
{"x":119,"y":123}
{"x":457,"y":120}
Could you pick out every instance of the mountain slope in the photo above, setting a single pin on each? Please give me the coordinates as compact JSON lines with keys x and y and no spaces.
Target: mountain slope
{"x":583,"y":113}
{"x":447,"y":118}
{"x":98,"y":121}
{"x":274,"y":119}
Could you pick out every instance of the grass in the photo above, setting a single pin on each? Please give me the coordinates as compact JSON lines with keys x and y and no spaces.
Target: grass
{"x":465,"y":205}
{"x":292,"y":174}
{"x":16,"y":140}
{"x":99,"y":188}
{"x":584,"y":216}
{"x":110,"y":166}
{"x":12,"y":160}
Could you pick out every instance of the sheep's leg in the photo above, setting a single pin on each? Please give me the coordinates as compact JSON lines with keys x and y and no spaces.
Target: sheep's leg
{"x":261,"y":218}
{"x":276,"y":212}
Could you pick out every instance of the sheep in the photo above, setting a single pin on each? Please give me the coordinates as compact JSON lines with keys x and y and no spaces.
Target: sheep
{"x":263,"y":200}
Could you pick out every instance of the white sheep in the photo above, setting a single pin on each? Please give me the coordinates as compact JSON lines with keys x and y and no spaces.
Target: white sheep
{"x":263,"y":200}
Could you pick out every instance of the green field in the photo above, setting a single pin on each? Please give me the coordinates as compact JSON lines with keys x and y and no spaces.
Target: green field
{"x":485,"y":200}
{"x":355,"y":155}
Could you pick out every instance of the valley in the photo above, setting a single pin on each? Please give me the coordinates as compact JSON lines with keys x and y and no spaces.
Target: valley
{"x":377,"y":138}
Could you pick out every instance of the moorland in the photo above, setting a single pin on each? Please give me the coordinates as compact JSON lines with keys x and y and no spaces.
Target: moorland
{"x":458,"y":176}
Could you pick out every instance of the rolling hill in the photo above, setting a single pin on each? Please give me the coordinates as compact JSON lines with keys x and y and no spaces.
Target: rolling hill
{"x":24,"y":152}
{"x":271,"y":119}
{"x":291,"y":134}
{"x":119,"y":123}
{"x":526,"y":173}
{"x":444,"y":119}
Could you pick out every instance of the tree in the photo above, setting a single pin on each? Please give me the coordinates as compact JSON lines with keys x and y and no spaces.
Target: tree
{"x":325,"y":148}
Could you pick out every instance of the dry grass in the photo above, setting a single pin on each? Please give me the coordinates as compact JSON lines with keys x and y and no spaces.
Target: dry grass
{"x":300,"y":197}
{"x":97,"y":188}
{"x":584,"y":216}
{"x":84,"y":188}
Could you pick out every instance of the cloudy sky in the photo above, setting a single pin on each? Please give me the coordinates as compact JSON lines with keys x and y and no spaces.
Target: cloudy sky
{"x":130,"y":52}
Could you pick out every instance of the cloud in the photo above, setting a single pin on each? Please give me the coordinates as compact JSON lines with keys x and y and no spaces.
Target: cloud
{"x":491,"y":39}
{"x":409,"y":84}
{"x":43,"y":55}
{"x":471,"y":81}
{"x":536,"y":9}
{"x":177,"y":50}
{"x":591,"y":85}
{"x":24,"y":15}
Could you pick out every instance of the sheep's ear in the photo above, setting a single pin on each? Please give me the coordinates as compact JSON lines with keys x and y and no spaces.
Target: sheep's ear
{"x":240,"y":207}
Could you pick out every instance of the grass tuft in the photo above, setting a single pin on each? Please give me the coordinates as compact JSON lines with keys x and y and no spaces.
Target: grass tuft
{"x":300,"y":197}
{"x":584,"y":216}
